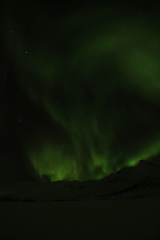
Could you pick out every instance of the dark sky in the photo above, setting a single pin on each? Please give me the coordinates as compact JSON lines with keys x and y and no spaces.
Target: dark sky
{"x":80,"y":89}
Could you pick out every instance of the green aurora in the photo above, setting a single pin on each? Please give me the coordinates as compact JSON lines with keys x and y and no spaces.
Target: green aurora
{"x":96,"y":73}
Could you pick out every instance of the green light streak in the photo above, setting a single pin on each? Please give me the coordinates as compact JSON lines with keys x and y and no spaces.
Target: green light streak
{"x":92,"y":76}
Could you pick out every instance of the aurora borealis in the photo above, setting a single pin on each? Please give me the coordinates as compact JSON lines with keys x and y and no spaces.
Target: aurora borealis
{"x":95,"y":74}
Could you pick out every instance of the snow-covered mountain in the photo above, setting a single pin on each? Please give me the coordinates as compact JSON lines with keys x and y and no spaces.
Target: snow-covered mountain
{"x":141,"y":181}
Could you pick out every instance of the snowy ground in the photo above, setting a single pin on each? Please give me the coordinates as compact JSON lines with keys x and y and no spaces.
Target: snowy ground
{"x":124,"y":205}
{"x":108,"y":220}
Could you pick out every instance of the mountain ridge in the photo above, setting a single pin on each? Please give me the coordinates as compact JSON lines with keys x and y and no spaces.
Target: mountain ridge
{"x":140,"y":181}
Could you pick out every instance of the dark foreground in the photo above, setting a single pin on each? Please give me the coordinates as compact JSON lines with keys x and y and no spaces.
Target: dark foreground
{"x":123,"y":219}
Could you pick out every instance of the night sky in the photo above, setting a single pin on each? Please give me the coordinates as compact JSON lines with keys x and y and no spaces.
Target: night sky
{"x":80,"y":89}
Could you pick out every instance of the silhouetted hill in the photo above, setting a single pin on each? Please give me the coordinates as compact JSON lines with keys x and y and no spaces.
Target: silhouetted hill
{"x":141,"y":181}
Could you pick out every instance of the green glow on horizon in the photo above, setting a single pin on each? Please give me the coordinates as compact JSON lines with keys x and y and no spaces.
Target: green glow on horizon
{"x":81,"y":81}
